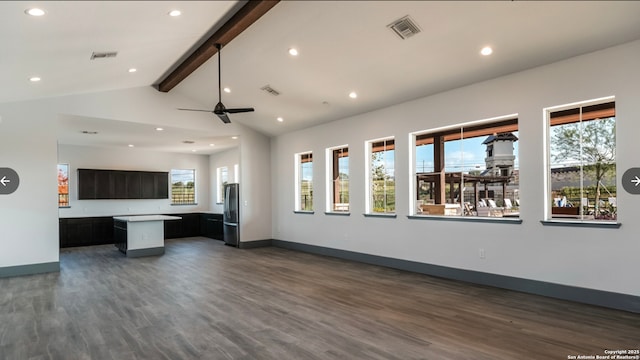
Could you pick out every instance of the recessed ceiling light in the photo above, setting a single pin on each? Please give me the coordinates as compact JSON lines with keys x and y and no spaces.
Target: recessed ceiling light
{"x":280,"y":119}
{"x":159,"y":129}
{"x":194,"y":150}
{"x":212,"y":144}
{"x":353,"y":95}
{"x":130,"y":145}
{"x":487,"y":50}
{"x":293,"y":52}
{"x":175,"y":13}
{"x":227,"y":90}
{"x":34,"y":79}
{"x":34,"y":12}
{"x":132,"y":70}
{"x":234,"y":137}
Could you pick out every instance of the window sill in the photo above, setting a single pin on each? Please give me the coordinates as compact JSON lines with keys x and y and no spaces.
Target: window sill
{"x":304,"y":212}
{"x":587,"y":224}
{"x":192,"y":204}
{"x":494,"y":220}
{"x":339,"y":213}
{"x":391,"y":216}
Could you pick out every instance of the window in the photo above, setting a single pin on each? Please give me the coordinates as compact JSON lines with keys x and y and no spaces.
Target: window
{"x":582,"y":161}
{"x":468,"y":170}
{"x":222,"y":178}
{"x":183,"y":186}
{"x":63,"y":185}
{"x":304,"y":181}
{"x":381,"y":185}
{"x":236,"y":173}
{"x":338,"y":179}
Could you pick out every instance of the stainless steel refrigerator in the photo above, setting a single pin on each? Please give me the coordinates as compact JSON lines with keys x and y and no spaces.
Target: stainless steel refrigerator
{"x":231,"y":215}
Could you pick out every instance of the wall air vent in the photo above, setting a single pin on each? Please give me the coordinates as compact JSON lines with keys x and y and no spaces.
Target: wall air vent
{"x":404,"y":27}
{"x":270,"y":90}
{"x":103,"y":55}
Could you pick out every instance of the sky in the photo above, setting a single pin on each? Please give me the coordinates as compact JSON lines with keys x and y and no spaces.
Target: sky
{"x":460,"y":155}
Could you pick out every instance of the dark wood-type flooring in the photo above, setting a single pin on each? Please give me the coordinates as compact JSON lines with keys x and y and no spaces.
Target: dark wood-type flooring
{"x":203,"y":300}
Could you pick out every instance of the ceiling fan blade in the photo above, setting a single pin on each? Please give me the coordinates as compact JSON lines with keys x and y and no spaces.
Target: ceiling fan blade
{"x":224,"y":118}
{"x":196,"y":110}
{"x":239,"y":110}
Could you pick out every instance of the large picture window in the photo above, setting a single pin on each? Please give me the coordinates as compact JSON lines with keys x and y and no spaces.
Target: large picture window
{"x":468,"y":170}
{"x":381,"y":180}
{"x":183,"y":186}
{"x":582,"y":161}
{"x":338,"y":179}
{"x":304,"y":181}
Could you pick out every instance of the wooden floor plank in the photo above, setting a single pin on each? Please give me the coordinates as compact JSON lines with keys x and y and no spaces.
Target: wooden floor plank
{"x":204,"y":300}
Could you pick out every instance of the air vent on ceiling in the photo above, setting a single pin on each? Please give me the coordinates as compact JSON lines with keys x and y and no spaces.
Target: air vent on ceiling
{"x":404,"y":27}
{"x":89,"y":132}
{"x":188,"y":142}
{"x":270,"y":90}
{"x":103,"y":55}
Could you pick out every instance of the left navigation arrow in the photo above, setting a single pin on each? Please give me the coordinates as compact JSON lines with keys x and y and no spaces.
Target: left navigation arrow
{"x":9,"y":181}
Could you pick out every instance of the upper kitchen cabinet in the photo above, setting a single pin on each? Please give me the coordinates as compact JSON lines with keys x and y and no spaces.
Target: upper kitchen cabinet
{"x":121,"y":184}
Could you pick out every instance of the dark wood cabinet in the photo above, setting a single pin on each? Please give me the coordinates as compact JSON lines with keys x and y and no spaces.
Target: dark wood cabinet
{"x":86,"y":184}
{"x":134,"y":187}
{"x":103,"y":184}
{"x":188,"y":226}
{"x":121,"y":184}
{"x":85,"y":231}
{"x":211,"y":226}
{"x":100,"y":230}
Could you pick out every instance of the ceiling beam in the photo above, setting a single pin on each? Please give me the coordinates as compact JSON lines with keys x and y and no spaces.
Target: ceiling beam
{"x":239,"y":22}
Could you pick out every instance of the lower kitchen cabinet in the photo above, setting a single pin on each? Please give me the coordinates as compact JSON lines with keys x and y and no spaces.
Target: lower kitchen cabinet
{"x":100,"y":230}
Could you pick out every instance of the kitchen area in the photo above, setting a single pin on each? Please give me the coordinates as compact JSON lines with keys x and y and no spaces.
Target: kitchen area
{"x":100,"y":195}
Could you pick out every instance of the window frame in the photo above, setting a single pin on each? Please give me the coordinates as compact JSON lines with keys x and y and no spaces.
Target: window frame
{"x":195,"y":188}
{"x":479,"y":128}
{"x":220,"y":182}
{"x":369,"y":193}
{"x":62,"y":182}
{"x":548,"y":215}
{"x":299,"y":161}
{"x":331,"y":186}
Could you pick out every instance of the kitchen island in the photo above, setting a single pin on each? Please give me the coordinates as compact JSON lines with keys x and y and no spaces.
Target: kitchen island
{"x":140,"y":235}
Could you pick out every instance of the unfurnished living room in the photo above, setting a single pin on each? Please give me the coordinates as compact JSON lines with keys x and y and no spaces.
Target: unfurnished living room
{"x":319,"y":180}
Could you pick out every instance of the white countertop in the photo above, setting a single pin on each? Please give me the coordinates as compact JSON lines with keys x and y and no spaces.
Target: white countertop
{"x":146,"y":218}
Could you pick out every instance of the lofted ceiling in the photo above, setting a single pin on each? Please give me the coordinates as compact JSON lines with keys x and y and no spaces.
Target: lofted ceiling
{"x":343,"y":46}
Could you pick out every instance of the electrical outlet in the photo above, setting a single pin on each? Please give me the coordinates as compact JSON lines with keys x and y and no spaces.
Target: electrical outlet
{"x":481,"y":253}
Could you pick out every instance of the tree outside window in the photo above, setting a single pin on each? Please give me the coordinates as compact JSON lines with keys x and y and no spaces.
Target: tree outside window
{"x":382,"y":187}
{"x":582,"y":151}
{"x":63,"y":185}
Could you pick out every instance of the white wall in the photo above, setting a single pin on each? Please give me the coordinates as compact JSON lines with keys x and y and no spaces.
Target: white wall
{"x":255,"y":186}
{"x":29,"y":216}
{"x":603,"y":259}
{"x":131,"y":159}
{"x":227,"y":158}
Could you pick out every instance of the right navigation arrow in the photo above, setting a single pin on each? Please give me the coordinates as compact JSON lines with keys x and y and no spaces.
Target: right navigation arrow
{"x":631,"y":181}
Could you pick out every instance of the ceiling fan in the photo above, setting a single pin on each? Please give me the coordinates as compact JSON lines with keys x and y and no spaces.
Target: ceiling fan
{"x":220,"y":109}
